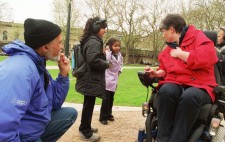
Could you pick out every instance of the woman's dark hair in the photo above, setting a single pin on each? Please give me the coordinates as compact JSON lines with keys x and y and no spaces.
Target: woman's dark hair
{"x":110,"y":43}
{"x":90,"y":28}
{"x":174,"y":20}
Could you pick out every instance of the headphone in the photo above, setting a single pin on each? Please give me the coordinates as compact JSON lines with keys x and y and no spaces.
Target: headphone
{"x":97,"y":25}
{"x":223,"y":28}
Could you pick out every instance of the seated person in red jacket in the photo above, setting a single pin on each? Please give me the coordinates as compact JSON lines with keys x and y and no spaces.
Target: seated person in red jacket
{"x":187,"y":69}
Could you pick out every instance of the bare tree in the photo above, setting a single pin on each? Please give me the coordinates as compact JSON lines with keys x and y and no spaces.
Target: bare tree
{"x":104,"y":9}
{"x":155,"y":11}
{"x":125,"y":21}
{"x":129,"y":20}
{"x":206,"y":14}
{"x":60,"y":8}
{"x":5,"y":11}
{"x":136,"y":22}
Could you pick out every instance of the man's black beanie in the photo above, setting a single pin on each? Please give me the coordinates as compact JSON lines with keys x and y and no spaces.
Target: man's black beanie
{"x":39,"y":32}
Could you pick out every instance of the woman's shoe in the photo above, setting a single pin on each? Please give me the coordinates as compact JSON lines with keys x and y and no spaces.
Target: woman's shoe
{"x":111,"y":118}
{"x":94,"y":138}
{"x":104,"y":122}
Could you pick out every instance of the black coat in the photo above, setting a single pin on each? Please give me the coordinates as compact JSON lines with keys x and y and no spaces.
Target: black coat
{"x":92,"y":83}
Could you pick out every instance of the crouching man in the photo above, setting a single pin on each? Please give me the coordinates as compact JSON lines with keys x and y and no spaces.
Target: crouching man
{"x":30,"y":99}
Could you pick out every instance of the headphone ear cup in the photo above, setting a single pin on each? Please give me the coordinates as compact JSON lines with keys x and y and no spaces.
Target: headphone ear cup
{"x":95,"y":28}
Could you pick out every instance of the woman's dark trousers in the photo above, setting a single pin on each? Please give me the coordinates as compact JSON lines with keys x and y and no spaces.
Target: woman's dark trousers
{"x":86,"y":117}
{"x":107,"y":104}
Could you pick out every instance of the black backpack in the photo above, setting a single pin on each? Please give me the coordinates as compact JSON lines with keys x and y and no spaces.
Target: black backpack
{"x":79,"y":65}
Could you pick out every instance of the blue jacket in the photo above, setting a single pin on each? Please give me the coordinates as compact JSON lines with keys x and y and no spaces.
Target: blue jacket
{"x":26,"y":104}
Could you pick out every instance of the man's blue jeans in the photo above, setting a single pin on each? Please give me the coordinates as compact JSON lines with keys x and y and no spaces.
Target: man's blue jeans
{"x":61,"y":121}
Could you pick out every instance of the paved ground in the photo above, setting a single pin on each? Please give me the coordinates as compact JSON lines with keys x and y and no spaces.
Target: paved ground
{"x":97,"y":107}
{"x":125,"y":128}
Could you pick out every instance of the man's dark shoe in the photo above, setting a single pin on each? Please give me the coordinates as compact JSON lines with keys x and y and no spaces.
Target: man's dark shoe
{"x":104,"y":122}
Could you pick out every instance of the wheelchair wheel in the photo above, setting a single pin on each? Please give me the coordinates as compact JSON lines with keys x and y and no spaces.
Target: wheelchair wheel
{"x":219,"y":137}
{"x":148,"y":127}
{"x":151,"y":124}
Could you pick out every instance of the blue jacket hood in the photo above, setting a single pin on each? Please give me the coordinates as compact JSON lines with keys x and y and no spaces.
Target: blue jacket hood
{"x":18,"y":47}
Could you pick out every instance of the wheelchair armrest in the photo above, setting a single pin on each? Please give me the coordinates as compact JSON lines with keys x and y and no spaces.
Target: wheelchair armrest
{"x":145,"y":79}
{"x":219,"y":89}
{"x":220,"y":94}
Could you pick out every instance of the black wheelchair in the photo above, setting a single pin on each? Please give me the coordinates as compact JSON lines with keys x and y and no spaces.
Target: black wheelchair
{"x":207,"y":128}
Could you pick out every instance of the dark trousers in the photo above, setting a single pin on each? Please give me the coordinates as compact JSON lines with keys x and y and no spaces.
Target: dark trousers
{"x":178,"y":108}
{"x":107,"y":104}
{"x":60,"y":122}
{"x":86,"y":117}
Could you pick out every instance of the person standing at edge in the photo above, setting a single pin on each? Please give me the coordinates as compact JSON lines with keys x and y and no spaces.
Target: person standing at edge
{"x":92,"y":83}
{"x":221,"y":39}
{"x":221,"y":52}
{"x":187,"y":68}
{"x":31,"y":101}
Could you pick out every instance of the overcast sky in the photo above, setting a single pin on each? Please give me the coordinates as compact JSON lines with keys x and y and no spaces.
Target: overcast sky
{"x":22,"y":9}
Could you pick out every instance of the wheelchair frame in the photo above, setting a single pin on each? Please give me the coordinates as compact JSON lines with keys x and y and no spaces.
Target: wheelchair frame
{"x":202,"y":131}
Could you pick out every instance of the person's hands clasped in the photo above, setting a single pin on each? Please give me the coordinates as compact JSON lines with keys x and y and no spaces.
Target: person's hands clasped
{"x":64,"y":65}
{"x":175,"y":52}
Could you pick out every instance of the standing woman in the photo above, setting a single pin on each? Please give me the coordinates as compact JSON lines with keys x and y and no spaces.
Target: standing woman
{"x":92,"y":83}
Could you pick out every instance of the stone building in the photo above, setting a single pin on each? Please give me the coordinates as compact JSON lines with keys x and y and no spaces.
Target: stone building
{"x":10,"y":31}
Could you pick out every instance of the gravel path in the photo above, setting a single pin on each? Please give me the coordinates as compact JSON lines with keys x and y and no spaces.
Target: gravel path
{"x":125,"y":128}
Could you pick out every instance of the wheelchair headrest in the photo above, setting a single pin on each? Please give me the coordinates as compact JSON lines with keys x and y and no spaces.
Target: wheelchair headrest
{"x":212,"y":35}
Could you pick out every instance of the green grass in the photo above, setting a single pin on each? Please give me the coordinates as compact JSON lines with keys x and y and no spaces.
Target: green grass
{"x":130,"y":91}
{"x":49,"y":63}
{"x":2,"y":58}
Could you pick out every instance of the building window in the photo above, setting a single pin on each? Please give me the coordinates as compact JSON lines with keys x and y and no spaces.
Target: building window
{"x":5,"y":36}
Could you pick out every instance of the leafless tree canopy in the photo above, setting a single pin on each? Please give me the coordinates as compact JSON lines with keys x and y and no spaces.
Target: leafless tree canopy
{"x":5,"y":12}
{"x":139,"y":20}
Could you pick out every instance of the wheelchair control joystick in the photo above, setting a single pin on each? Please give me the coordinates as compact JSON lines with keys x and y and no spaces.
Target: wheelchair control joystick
{"x":145,"y":109}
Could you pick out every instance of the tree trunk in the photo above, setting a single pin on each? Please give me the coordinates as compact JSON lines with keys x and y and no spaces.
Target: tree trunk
{"x":127,"y":56}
